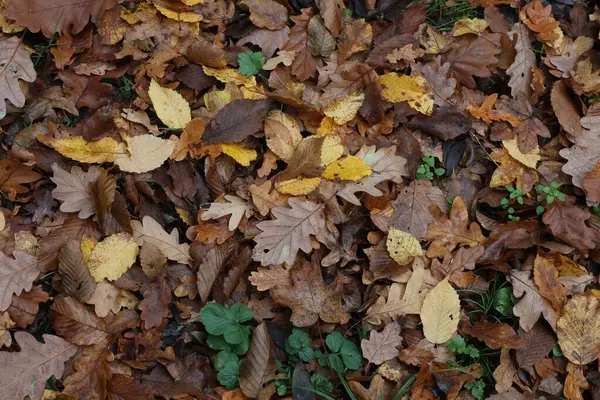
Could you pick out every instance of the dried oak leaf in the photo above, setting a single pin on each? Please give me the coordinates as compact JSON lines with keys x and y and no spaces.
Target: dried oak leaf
{"x":439,"y":78}
{"x":530,"y":126}
{"x":472,"y":56}
{"x":584,"y":155}
{"x":264,"y":198}
{"x":267,"y":13}
{"x":16,"y":274}
{"x":236,"y":207}
{"x":566,"y":110}
{"x":400,"y":300}
{"x":237,"y":120}
{"x":505,"y":372}
{"x":382,"y":346}
{"x":449,"y":232}
{"x":309,"y":298}
{"x":356,"y":37}
{"x":155,"y":306}
{"x":305,"y":64}
{"x":152,"y":232}
{"x":14,"y":174}
{"x":77,"y":324}
{"x":268,"y":278}
{"x":578,"y":330}
{"x":258,"y":364}
{"x":495,"y":336}
{"x":520,"y":71}
{"x":15,"y":64}
{"x":567,"y":222}
{"x":289,"y":232}
{"x":24,"y":373}
{"x":545,"y":276}
{"x":24,"y":308}
{"x":511,"y":170}
{"x":531,"y":304}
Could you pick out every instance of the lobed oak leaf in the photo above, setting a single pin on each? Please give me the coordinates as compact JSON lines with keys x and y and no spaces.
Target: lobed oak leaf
{"x":24,"y":308}
{"x":150,"y":231}
{"x":268,"y":278}
{"x":16,"y":64}
{"x":495,"y":336}
{"x":309,"y":297}
{"x":16,"y":274}
{"x":155,"y":305}
{"x":440,"y":313}
{"x":264,"y":199}
{"x":487,"y":115}
{"x":236,"y":207}
{"x":257,"y":365}
{"x":267,"y":13}
{"x":449,"y":232}
{"x":472,"y":57}
{"x":13,"y":175}
{"x":382,"y":346}
{"x":72,"y":189}
{"x":511,"y":170}
{"x":577,"y":330}
{"x":304,"y":65}
{"x":584,"y":155}
{"x":531,"y":304}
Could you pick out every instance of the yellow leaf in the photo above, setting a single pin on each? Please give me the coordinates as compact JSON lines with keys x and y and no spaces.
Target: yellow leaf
{"x":87,"y":245}
{"x":217,"y":99}
{"x":253,"y":92}
{"x":179,"y":16}
{"x":227,"y":75}
{"x":283,"y":134}
{"x":331,"y":150}
{"x":78,"y":149}
{"x":327,"y":126}
{"x":133,"y":17}
{"x":240,"y":153}
{"x":402,"y":246}
{"x":467,"y":25}
{"x":349,"y":168}
{"x":344,"y":109}
{"x":192,"y":2}
{"x":299,"y":186}
{"x":2,"y":221}
{"x":578,"y":330}
{"x":172,"y":109}
{"x":528,"y":159}
{"x":406,"y":88}
{"x":144,"y":153}
{"x":440,"y":313}
{"x":112,"y":257}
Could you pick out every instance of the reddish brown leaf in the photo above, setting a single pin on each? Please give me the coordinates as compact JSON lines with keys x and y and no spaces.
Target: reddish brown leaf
{"x":495,"y":336}
{"x":304,"y":65}
{"x":155,"y":306}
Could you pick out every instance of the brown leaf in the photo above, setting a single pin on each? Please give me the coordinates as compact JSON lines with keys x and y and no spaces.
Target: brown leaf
{"x":92,"y":373}
{"x":445,"y":122}
{"x":75,"y":323}
{"x":24,"y":373}
{"x":267,"y":13}
{"x":155,"y":306}
{"x":439,"y":78}
{"x":268,"y":278}
{"x":305,"y":160}
{"x":236,"y":121}
{"x":61,"y":16}
{"x":356,"y":37}
{"x":495,"y":336}
{"x":545,"y":276}
{"x":538,"y":342}
{"x":472,"y":57}
{"x":309,"y":298}
{"x":153,"y":261}
{"x":205,"y":53}
{"x":591,"y":185}
{"x":567,"y":222}
{"x":103,"y":196}
{"x":531,"y":304}
{"x":304,"y":65}
{"x":320,"y":41}
{"x":13,"y":175}
{"x":156,"y":383}
{"x":449,"y":232}
{"x":257,"y":364}
{"x":16,"y":64}
{"x":505,"y":372}
{"x":376,"y":389}
{"x":331,"y":11}
{"x":416,"y":356}
{"x":382,"y":346}
{"x":16,"y":274}
{"x":268,"y":41}
{"x":264,"y":198}
{"x":566,"y":110}
{"x":5,"y":324}
{"x":530,"y":126}
{"x":77,"y":281}
{"x":520,"y":71}
{"x":210,"y":261}
{"x":24,"y":308}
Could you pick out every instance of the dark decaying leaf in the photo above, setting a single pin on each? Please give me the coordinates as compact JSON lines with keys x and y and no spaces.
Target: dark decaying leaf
{"x":236,"y":121}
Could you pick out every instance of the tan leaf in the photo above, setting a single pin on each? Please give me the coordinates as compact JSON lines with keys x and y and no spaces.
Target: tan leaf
{"x":257,"y":364}
{"x":331,"y":11}
{"x":283,"y":134}
{"x":112,"y":257}
{"x":567,"y":112}
{"x":267,"y":13}
{"x":264,"y":198}
{"x":505,"y":372}
{"x":16,"y":274}
{"x":109,"y":298}
{"x":5,"y":324}
{"x":305,"y":160}
{"x":74,"y":322}
{"x":76,"y":278}
{"x":236,"y":207}
{"x":402,"y":246}
{"x":24,"y":373}
{"x":150,"y":231}
{"x":143,"y":153}
{"x":531,"y":303}
{"x":545,"y":276}
{"x":309,"y":298}
{"x":440,"y":312}
{"x":210,"y":261}
{"x":382,"y":346}
{"x":16,"y":64}
{"x":268,"y":278}
{"x":578,"y":329}
{"x":520,"y":71}
{"x":495,"y":336}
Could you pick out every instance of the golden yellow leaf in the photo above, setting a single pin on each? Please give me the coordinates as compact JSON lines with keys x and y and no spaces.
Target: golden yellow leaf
{"x":192,"y":2}
{"x":329,"y":126}
{"x":253,"y":92}
{"x":87,"y":245}
{"x":78,"y":149}
{"x":528,"y":159}
{"x":468,"y":25}
{"x":440,"y":313}
{"x":144,"y":153}
{"x":299,"y":186}
{"x":172,"y":109}
{"x":344,"y":109}
{"x":283,"y":134}
{"x":112,"y":257}
{"x":332,"y":149}
{"x":349,"y":168}
{"x":179,"y":16}
{"x":216,"y":99}
{"x":242,"y":154}
{"x":406,"y":88}
{"x":578,"y":330}
{"x":133,"y":17}
{"x":402,"y":246}
{"x":230,"y":75}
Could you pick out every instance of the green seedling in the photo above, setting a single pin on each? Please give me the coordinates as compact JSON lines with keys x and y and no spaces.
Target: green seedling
{"x":513,"y":195}
{"x":299,"y":344}
{"x":427,"y":170}
{"x":343,"y":355}
{"x":547,"y":194}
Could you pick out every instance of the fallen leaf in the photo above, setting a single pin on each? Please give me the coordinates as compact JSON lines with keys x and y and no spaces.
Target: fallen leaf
{"x":495,"y":336}
{"x":5,"y":324}
{"x":172,"y":109}
{"x":76,"y":278}
{"x":267,"y":13}
{"x":78,"y":149}
{"x":143,"y":153}
{"x":236,"y":207}
{"x":577,"y":330}
{"x":72,"y":189}
{"x":348,"y":168}
{"x":74,"y":322}
{"x":382,"y":346}
{"x":320,"y":41}
{"x":243,"y":155}
{"x":531,"y":304}
{"x":440,"y":312}
{"x":545,"y":276}
{"x":472,"y":57}
{"x":16,"y":274}
{"x":402,"y":246}
{"x":567,"y":222}
{"x":257,"y":365}
{"x":505,"y":372}
{"x":397,"y":88}
{"x":304,"y":65}
{"x":237,"y":120}
{"x":521,"y":70}
{"x":151,"y":232}
{"x":112,"y":257}
{"x":344,"y":109}
{"x":16,"y":65}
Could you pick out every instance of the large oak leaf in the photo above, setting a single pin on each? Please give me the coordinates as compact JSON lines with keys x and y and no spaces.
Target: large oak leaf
{"x":16,"y":274}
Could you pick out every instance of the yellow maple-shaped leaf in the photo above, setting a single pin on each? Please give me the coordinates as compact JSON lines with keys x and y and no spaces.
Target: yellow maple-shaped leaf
{"x":144,"y":153}
{"x":78,"y":149}
{"x":184,"y":16}
{"x":112,"y":257}
{"x":344,"y":109}
{"x":529,"y":159}
{"x":298,"y":186}
{"x":349,"y":168}
{"x":172,"y":109}
{"x":402,"y":246}
{"x":440,"y":313}
{"x":332,"y":149}
{"x":243,"y":155}
{"x":226,"y":75}
{"x":398,"y":88}
{"x":468,"y":25}
{"x":578,"y":330}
